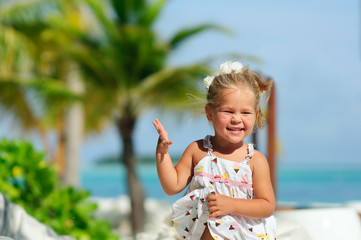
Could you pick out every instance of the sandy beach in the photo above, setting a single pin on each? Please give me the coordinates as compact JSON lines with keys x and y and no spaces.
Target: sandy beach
{"x":158,"y":223}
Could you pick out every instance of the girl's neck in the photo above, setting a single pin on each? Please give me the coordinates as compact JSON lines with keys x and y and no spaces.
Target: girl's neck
{"x":225,"y":147}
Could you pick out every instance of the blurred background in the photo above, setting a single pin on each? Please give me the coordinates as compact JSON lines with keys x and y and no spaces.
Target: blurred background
{"x":83,"y":80}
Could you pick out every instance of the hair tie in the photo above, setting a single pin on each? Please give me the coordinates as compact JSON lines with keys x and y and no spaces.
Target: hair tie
{"x":225,"y":68}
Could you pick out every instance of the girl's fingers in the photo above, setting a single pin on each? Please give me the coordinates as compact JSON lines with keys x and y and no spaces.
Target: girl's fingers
{"x":163,"y":136}
{"x":212,"y":196}
{"x":166,"y":142}
{"x":157,"y":124}
{"x":159,"y":127}
{"x":214,"y":213}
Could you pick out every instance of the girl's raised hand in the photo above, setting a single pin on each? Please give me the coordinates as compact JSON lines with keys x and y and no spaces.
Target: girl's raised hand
{"x":163,"y":142}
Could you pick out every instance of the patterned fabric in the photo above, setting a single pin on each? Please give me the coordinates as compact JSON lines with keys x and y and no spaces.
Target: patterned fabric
{"x":234,"y":179}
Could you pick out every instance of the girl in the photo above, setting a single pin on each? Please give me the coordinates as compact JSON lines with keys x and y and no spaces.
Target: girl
{"x":230,"y":194}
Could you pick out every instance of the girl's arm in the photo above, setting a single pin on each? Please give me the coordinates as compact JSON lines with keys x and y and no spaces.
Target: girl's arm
{"x":261,"y":206}
{"x":173,"y":179}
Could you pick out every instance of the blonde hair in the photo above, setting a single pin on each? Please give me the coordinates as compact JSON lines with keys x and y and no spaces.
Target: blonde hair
{"x":237,"y":80}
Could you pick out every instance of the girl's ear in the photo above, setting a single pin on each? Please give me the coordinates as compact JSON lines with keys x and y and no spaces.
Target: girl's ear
{"x":208,"y":112}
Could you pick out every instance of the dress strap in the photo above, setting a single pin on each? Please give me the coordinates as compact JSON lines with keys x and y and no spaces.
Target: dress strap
{"x":207,"y":144}
{"x":250,"y":153}
{"x":251,"y":149}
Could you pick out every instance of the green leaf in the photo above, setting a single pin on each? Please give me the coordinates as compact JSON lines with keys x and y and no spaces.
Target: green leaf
{"x":152,"y":12}
{"x":27,"y":180}
{"x":184,"y":34}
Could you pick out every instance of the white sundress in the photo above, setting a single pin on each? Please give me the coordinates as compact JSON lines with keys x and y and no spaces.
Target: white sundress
{"x":234,"y":179}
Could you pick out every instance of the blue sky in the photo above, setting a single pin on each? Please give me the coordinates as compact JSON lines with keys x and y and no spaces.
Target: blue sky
{"x":310,"y":48}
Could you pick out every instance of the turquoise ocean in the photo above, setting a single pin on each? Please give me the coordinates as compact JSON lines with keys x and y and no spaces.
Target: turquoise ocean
{"x":299,"y":186}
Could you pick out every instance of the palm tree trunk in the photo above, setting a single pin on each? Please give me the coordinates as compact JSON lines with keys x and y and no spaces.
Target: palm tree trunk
{"x":74,"y":127}
{"x":135,"y":190}
{"x":60,"y":149}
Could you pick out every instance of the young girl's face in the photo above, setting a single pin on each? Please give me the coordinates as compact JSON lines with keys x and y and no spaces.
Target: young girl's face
{"x":234,"y":118}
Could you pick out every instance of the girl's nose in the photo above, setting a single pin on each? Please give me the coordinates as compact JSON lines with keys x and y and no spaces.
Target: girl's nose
{"x":237,"y":118}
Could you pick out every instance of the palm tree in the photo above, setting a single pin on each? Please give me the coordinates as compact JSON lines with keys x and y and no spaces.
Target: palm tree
{"x":39,"y":30}
{"x":122,"y":60}
{"x":127,"y":71}
{"x":16,"y":64}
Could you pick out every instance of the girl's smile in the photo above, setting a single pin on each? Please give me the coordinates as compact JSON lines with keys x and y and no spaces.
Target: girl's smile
{"x":234,"y":118}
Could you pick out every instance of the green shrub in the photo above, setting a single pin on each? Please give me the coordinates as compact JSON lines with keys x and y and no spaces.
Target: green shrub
{"x":27,"y":180}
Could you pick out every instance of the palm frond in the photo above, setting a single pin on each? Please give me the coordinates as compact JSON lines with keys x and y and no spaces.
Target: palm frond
{"x":15,"y":52}
{"x":100,"y":12}
{"x":14,"y":101}
{"x":26,"y":11}
{"x":51,"y":88}
{"x":170,"y":87}
{"x":152,"y":12}
{"x":184,"y":34}
{"x":243,"y":58}
{"x":128,"y":12}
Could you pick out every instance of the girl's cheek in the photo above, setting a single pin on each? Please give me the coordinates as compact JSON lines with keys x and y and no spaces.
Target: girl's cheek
{"x":225,"y":117}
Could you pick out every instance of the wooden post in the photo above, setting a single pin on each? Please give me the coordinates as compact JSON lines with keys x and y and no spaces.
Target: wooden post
{"x":271,"y":135}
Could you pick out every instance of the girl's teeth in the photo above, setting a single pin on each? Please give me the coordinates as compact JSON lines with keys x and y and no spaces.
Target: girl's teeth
{"x":235,"y":129}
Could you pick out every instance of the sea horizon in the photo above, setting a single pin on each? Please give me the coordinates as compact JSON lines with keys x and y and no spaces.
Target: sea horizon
{"x":298,"y":185}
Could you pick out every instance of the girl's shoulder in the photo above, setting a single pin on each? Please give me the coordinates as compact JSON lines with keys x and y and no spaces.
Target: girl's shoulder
{"x":197,"y":147}
{"x":258,"y":154}
{"x":258,"y":160}
{"x":197,"y":150}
